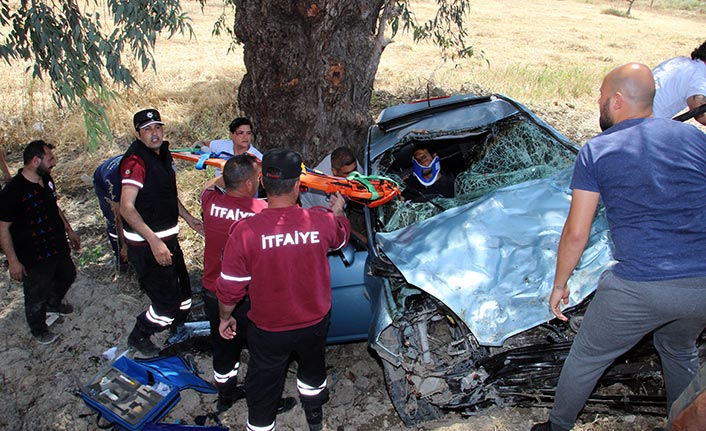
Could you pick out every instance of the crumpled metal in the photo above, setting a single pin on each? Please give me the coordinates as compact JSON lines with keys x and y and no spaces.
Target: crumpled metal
{"x":492,"y":261}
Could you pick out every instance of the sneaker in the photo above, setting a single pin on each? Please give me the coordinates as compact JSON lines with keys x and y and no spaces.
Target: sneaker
{"x":143,"y":345}
{"x":53,"y":318}
{"x":46,"y":337}
{"x":63,"y":309}
{"x":547,"y":426}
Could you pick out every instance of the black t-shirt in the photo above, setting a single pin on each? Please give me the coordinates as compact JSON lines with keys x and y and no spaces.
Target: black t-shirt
{"x":37,"y":230}
{"x":443,"y":187}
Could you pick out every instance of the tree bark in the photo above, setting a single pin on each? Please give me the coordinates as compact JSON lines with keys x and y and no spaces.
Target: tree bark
{"x":310,"y":71}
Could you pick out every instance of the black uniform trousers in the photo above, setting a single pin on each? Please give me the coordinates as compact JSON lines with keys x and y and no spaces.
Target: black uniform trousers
{"x":226,"y":353}
{"x":168,"y":287}
{"x":267,"y":367}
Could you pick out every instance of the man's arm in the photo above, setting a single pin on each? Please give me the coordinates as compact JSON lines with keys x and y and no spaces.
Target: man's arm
{"x":694,"y":102}
{"x":7,"y":176}
{"x":218,"y":181}
{"x":571,"y":245}
{"x":192,"y":221}
{"x":74,"y":239}
{"x":115,"y":207}
{"x":17,"y":270}
{"x":160,"y":251}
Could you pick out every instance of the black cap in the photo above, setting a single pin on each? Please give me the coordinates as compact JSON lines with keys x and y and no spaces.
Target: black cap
{"x":145,"y":118}
{"x":281,"y":164}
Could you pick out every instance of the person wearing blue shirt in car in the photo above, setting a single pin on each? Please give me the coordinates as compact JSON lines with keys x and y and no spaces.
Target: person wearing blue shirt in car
{"x":650,"y":175}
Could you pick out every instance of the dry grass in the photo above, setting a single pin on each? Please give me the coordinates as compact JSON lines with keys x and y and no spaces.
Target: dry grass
{"x":549,"y":54}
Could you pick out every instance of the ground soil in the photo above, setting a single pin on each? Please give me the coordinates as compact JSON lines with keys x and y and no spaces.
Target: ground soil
{"x":40,"y":383}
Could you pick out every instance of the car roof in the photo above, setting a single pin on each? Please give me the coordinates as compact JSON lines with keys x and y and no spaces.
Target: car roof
{"x":458,"y":114}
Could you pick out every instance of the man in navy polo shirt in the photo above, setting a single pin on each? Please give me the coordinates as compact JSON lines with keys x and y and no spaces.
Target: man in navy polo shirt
{"x":106,"y":184}
{"x":650,"y":174}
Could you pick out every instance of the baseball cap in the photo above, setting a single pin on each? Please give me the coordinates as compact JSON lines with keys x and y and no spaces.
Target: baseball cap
{"x":281,"y":164}
{"x":145,"y":118}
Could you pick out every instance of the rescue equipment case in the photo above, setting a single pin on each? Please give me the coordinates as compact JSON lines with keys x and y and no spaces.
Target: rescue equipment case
{"x":131,"y":393}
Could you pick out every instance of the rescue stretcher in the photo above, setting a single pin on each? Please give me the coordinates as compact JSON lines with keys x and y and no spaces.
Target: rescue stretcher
{"x":371,"y":191}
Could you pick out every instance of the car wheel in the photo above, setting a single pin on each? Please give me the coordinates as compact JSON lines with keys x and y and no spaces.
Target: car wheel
{"x":410,"y":408}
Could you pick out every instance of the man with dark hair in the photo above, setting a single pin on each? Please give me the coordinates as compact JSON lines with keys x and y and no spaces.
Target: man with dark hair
{"x":278,"y":257}
{"x":240,"y":141}
{"x":680,"y":83}
{"x":340,"y":163}
{"x":106,"y":184}
{"x":150,"y":208}
{"x":649,"y":174}
{"x":33,"y":235}
{"x":221,"y":208}
{"x":427,"y":179}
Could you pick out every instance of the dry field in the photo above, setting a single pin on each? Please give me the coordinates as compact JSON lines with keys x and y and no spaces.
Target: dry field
{"x":549,"y":54}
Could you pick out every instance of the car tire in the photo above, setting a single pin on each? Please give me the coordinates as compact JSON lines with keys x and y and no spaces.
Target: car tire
{"x":410,"y":409}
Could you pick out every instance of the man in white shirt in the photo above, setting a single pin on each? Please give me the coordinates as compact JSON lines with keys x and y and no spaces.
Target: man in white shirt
{"x":239,"y":142}
{"x":680,"y":83}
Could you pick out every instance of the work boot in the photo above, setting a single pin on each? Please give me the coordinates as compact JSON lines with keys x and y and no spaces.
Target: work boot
{"x":286,"y":404}
{"x":46,"y":337}
{"x":63,"y":309}
{"x":228,"y":393}
{"x":140,"y":341}
{"x":314,"y":417}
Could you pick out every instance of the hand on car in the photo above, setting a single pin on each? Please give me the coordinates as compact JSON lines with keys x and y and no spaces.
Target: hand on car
{"x":559,"y":294}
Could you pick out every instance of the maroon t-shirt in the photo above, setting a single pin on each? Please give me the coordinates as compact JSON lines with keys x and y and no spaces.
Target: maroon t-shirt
{"x":278,"y":258}
{"x":219,"y":212}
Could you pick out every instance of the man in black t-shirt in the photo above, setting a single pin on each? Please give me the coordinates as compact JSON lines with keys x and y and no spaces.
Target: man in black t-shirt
{"x":33,"y":235}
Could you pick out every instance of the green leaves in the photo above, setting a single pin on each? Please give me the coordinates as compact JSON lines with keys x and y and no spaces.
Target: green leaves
{"x":78,"y":51}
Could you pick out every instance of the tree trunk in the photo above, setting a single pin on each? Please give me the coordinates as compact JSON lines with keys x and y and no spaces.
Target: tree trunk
{"x":310,"y":71}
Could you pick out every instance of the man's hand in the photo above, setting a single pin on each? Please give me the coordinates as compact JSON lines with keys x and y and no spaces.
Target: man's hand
{"x":337,"y":203}
{"x":161,"y":252}
{"x":123,"y":252}
{"x":17,"y":270}
{"x":559,"y":294}
{"x":227,"y":328}
{"x":195,"y":224}
{"x":74,"y":239}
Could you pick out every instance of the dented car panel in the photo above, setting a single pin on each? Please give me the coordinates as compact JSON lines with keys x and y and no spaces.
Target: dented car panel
{"x":492,"y":261}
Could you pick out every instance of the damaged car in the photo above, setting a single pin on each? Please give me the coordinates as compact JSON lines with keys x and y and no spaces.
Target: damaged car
{"x":459,"y":286}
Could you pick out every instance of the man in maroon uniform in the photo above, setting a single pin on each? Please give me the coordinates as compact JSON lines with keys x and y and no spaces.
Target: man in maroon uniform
{"x":150,"y":208}
{"x":221,"y":208}
{"x":278,"y":257}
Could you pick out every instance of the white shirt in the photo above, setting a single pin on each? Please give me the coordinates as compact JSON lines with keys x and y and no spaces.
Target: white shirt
{"x":314,"y":198}
{"x":226,"y":146}
{"x":676,"y":80}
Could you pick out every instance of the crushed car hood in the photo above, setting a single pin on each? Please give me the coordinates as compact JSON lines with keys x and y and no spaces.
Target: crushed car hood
{"x":492,"y":261}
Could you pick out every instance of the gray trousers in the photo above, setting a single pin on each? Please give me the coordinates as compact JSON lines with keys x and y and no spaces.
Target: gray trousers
{"x":621,"y":313}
